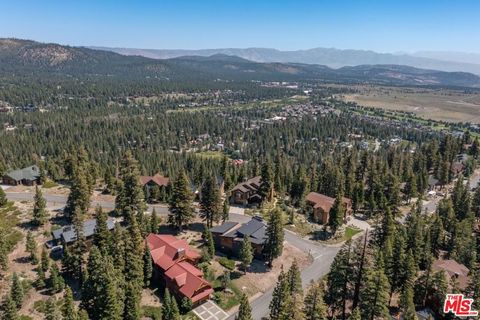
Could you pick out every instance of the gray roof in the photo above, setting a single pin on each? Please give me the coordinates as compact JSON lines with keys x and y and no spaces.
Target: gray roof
{"x":254,"y":229}
{"x":28,"y":173}
{"x":224,"y":227}
{"x":67,"y":233}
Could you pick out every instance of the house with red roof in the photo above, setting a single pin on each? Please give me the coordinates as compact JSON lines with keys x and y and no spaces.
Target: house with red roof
{"x":174,"y":263}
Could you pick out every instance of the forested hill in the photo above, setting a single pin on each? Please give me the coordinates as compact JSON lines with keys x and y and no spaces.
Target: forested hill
{"x":29,"y":58}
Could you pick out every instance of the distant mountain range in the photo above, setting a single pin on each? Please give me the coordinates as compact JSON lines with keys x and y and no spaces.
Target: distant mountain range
{"x":334,"y":58}
{"x":33,"y":59}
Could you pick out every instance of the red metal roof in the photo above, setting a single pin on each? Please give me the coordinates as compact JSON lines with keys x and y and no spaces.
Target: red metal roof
{"x":169,"y":253}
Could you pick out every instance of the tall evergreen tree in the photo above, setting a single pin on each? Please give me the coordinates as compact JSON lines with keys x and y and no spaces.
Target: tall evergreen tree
{"x":39,"y":208}
{"x":31,"y":247}
{"x":80,"y":191}
{"x":375,"y":294}
{"x":9,"y":309}
{"x":266,"y":182}
{"x":147,"y":267}
{"x":51,"y":312}
{"x":274,"y":244}
{"x":130,"y":194}
{"x":244,"y":310}
{"x":226,"y":210}
{"x":279,"y":306}
{"x":16,"y":291}
{"x":154,"y":221}
{"x":210,"y":202}
{"x":4,"y":248}
{"x":246,"y":254}
{"x":337,"y":213}
{"x":338,"y":280}
{"x":3,"y":198}
{"x":180,"y":204}
{"x":209,"y":243}
{"x":68,"y":307}
{"x":314,"y":306}
{"x":169,"y":307}
{"x":102,"y":237}
{"x":294,"y":279}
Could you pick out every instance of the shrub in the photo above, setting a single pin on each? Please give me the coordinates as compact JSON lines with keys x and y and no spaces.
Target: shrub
{"x":227,"y":263}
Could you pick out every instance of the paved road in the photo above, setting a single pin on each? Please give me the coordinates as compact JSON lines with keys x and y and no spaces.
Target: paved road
{"x":322,"y":259}
{"x":322,"y":255}
{"x":62,"y":200}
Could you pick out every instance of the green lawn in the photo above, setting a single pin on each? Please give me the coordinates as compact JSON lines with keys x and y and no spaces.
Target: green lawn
{"x":350,"y":232}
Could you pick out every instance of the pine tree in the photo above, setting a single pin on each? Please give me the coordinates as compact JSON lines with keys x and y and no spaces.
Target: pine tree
{"x":39,"y":208}
{"x":209,"y":243}
{"x":266,"y":182}
{"x":76,"y":261}
{"x":244,"y":310}
{"x":16,"y":291}
{"x":147,"y":267}
{"x":3,"y":250}
{"x":79,"y":196}
{"x":102,"y":237}
{"x":180,"y":204}
{"x":3,"y":198}
{"x":101,"y":294}
{"x":134,"y":253}
{"x":130,"y":194}
{"x":56,"y":281}
{"x":356,"y":315}
{"x":169,"y":307}
{"x":131,"y":310}
{"x":226,"y":210}
{"x":279,"y":306}
{"x":68,"y":307}
{"x":154,"y":221}
{"x":9,"y":309}
{"x":44,"y":260}
{"x":246,"y":254}
{"x":314,"y":306}
{"x":210,"y":202}
{"x":337,"y":213}
{"x":375,"y":294}
{"x":407,"y":303}
{"x":40,"y":281}
{"x":339,"y":279}
{"x":274,"y":244}
{"x":31,"y":247}
{"x":474,"y":287}
{"x":294,"y":279}
{"x":51,"y":312}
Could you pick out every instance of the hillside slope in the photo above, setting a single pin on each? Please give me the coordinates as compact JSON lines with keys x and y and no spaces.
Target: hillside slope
{"x":29,"y":58}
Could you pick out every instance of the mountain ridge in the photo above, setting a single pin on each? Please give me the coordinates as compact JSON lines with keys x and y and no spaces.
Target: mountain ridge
{"x":34,"y":59}
{"x":334,"y":58}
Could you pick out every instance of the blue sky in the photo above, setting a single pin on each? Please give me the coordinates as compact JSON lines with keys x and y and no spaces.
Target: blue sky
{"x":384,"y":26}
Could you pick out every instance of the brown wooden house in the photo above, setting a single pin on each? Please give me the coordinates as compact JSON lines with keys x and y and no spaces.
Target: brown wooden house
{"x":321,"y":205}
